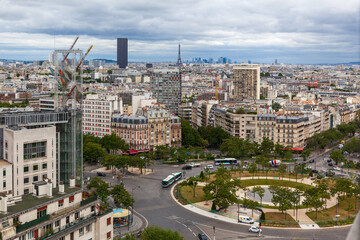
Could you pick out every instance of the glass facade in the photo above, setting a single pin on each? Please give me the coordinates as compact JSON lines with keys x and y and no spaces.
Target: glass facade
{"x":34,"y":150}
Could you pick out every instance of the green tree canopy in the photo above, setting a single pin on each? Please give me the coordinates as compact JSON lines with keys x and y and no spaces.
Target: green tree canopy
{"x":281,"y":197}
{"x":113,"y":142}
{"x":154,"y":232}
{"x":214,"y":135}
{"x":190,"y":136}
{"x":100,"y":188}
{"x":122,"y":196}
{"x":92,"y":152}
{"x":337,"y":156}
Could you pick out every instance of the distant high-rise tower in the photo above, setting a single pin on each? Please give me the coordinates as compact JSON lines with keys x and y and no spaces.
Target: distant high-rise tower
{"x":246,"y":81}
{"x":276,"y":63}
{"x":122,"y":52}
{"x":178,"y":63}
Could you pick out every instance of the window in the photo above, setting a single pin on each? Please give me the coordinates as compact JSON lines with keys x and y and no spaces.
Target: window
{"x":81,"y":231}
{"x":26,"y":180}
{"x":26,"y":169}
{"x":77,"y":215}
{"x":108,"y":235}
{"x":31,"y":235}
{"x":4,"y":184}
{"x":5,"y":224}
{"x":4,"y":172}
{"x":35,"y":167}
{"x":61,"y":203}
{"x":41,"y":211}
{"x":35,"y":178}
{"x":44,"y":166}
{"x":44,"y":177}
{"x":6,"y":144}
{"x":88,"y":228}
{"x":23,"y":237}
{"x":57,"y":223}
{"x":34,"y":150}
{"x":26,"y":191}
{"x":71,"y":199}
{"x":108,"y":221}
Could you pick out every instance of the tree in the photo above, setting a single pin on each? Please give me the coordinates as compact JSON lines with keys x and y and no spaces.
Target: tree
{"x":192,"y":182}
{"x":122,"y":196}
{"x":353,"y":146}
{"x":109,"y":160}
{"x":267,"y":146}
{"x":92,"y":152}
{"x":250,"y":204}
{"x":276,"y":106}
{"x":155,"y":232}
{"x":214,"y":135}
{"x":282,"y":170}
{"x":306,"y":153}
{"x":223,"y":189}
{"x":281,"y":198}
{"x":113,"y":143}
{"x":297,"y":169}
{"x":235,"y":147}
{"x":190,"y":137}
{"x":313,"y":198}
{"x":100,"y":188}
{"x":259,"y":191}
{"x":252,"y":169}
{"x":295,"y":198}
{"x":279,"y":150}
{"x":337,"y":156}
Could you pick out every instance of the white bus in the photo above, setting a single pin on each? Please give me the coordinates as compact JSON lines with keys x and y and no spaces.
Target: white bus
{"x":225,"y":161}
{"x":169,"y":180}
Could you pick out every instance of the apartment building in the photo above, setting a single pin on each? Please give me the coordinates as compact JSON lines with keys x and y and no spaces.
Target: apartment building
{"x":64,"y":212}
{"x":133,"y":129}
{"x":246,"y":81}
{"x":290,"y":130}
{"x":200,"y":113}
{"x":97,"y":113}
{"x":238,"y":124}
{"x":165,"y":84}
{"x":266,"y":125}
{"x":185,"y":111}
{"x":164,"y":128}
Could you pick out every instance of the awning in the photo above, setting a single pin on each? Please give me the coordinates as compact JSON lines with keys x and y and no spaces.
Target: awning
{"x":119,"y":213}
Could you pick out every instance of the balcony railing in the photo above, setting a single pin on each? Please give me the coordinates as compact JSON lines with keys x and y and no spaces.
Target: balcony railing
{"x":32,"y":223}
{"x":88,"y":200}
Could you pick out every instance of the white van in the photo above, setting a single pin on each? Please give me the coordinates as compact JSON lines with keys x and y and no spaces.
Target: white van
{"x":246,"y":219}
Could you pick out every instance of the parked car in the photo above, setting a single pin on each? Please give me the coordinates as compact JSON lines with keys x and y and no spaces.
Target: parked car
{"x":187,"y":167}
{"x":255,"y":229}
{"x":315,"y":171}
{"x":101,"y":174}
{"x":202,"y":236}
{"x":245,"y":219}
{"x":330,"y":164}
{"x":209,"y":166}
{"x":329,"y":160}
{"x":337,"y":168}
{"x":311,"y":161}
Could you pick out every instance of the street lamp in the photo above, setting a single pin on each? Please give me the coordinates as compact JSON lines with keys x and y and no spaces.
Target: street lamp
{"x":132,"y":205}
{"x":238,"y":200}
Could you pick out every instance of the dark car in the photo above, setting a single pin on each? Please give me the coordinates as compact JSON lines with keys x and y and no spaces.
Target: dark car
{"x":315,"y":171}
{"x":329,"y":160}
{"x":101,"y":174}
{"x":311,"y":161}
{"x":330,"y":164}
{"x":186,"y":167}
{"x":202,"y":236}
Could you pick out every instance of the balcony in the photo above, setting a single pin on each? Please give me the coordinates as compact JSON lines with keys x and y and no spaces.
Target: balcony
{"x":32,"y":223}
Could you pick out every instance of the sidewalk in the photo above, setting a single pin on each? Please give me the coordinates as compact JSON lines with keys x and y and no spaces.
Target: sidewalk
{"x":139,"y":223}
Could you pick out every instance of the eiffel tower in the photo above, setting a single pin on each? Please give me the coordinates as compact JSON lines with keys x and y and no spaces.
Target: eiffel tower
{"x":179,"y":63}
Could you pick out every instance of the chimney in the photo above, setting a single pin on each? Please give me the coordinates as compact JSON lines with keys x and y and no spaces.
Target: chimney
{"x":49,"y":188}
{"x":72,"y":182}
{"x":61,"y":187}
{"x":3,"y":204}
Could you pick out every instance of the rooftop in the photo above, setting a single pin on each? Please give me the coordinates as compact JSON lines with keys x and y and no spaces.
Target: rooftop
{"x":30,"y":201}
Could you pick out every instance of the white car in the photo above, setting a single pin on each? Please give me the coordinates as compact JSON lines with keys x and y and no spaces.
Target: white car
{"x":209,"y":166}
{"x":255,"y":229}
{"x":337,"y":168}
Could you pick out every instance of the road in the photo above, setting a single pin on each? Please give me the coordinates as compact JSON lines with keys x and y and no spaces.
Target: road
{"x":156,"y":204}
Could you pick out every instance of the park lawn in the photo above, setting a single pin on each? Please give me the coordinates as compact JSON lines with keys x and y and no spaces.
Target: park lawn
{"x":329,"y":182}
{"x":278,"y":219}
{"x":188,"y":194}
{"x":329,"y":213}
{"x":282,"y":183}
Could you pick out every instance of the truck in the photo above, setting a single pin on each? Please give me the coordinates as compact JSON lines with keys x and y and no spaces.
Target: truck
{"x":246,"y":219}
{"x":274,"y":163}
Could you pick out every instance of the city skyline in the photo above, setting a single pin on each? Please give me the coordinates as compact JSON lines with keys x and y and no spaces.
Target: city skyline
{"x":301,"y":33}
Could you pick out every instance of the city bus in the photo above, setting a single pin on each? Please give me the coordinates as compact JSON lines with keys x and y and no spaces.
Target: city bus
{"x":225,"y":161}
{"x":171,"y":179}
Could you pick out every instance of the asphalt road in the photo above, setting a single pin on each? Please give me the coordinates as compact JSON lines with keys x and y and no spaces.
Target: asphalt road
{"x":156,"y":204}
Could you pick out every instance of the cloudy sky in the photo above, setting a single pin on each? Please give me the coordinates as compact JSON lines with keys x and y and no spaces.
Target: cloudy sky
{"x":292,"y":31}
